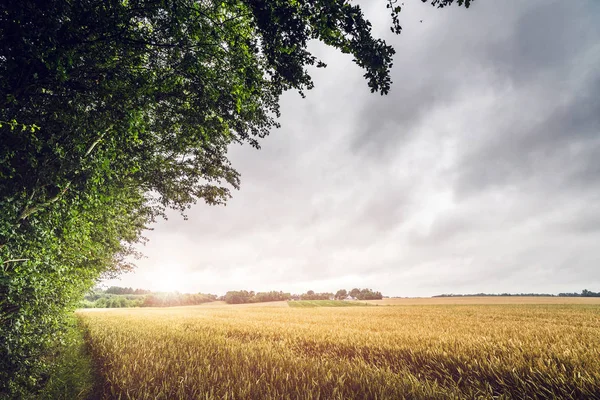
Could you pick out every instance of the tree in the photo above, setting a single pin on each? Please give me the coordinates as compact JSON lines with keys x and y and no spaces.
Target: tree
{"x":311,"y":295}
{"x":114,"y":111}
{"x":341,"y":294}
{"x":238,"y":297}
{"x":368,"y":294}
{"x":262,"y":297}
{"x":365,"y":294}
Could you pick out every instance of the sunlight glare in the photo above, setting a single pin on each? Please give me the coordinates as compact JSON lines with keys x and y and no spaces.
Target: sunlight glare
{"x":169,"y":278}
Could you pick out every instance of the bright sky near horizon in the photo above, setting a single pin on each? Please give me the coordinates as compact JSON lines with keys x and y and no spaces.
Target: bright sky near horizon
{"x":479,"y":172}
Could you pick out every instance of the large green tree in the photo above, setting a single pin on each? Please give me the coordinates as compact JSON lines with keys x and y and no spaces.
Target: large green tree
{"x":113,"y":111}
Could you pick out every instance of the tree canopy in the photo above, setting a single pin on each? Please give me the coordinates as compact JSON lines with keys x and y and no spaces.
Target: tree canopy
{"x":113,"y":111}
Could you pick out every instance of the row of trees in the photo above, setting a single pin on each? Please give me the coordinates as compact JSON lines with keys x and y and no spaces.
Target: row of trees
{"x":177,"y":299}
{"x":358,"y":294}
{"x":584,"y":293}
{"x":311,"y":295}
{"x":118,"y":297}
{"x":245,"y":296}
{"x":125,"y":290}
{"x":113,"y":301}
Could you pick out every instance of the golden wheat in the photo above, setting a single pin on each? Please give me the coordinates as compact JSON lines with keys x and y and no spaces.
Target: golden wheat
{"x":423,"y":352}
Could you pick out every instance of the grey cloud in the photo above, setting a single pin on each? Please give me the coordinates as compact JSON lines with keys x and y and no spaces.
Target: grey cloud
{"x":546,"y":38}
{"x":435,"y":60}
{"x":561,"y":148}
{"x":550,"y":62}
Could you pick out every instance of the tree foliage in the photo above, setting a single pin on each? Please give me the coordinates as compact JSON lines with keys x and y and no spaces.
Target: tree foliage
{"x":311,"y":295}
{"x":118,"y":297}
{"x":341,"y":294}
{"x":125,"y":290}
{"x":244,"y":296}
{"x":238,"y":297}
{"x":176,"y":299}
{"x":365,"y":294}
{"x":113,"y":111}
{"x":584,"y":293}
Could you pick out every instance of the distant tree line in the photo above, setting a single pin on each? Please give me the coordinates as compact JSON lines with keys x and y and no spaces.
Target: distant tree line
{"x":245,"y":296}
{"x":118,"y":297}
{"x":125,"y":290}
{"x":177,"y":299}
{"x":112,"y":301}
{"x":584,"y":293}
{"x":311,"y":295}
{"x":358,"y":294}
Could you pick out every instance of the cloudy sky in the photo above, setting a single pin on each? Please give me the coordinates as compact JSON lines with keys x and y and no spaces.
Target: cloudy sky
{"x":479,"y":172}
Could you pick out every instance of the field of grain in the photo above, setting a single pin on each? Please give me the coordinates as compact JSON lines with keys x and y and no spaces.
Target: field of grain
{"x":326,"y":303}
{"x":518,"y":300}
{"x":416,"y":352}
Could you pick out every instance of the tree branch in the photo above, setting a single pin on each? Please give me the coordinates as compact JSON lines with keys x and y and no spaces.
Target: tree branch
{"x":31,"y":210}
{"x":15,"y":260}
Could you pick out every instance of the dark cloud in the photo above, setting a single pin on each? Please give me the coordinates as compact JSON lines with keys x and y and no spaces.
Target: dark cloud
{"x":556,"y":142}
{"x":545,"y":39}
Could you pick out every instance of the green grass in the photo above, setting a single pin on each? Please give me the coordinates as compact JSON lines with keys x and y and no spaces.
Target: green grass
{"x":72,"y":376}
{"x":326,"y":303}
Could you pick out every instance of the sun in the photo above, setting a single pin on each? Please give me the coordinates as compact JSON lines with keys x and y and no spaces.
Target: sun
{"x":169,"y":278}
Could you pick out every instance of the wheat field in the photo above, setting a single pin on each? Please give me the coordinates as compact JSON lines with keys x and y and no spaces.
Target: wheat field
{"x":484,"y":300}
{"x":384,"y":352}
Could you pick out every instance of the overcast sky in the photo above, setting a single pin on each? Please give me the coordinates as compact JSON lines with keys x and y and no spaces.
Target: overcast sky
{"x":479,"y":172}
